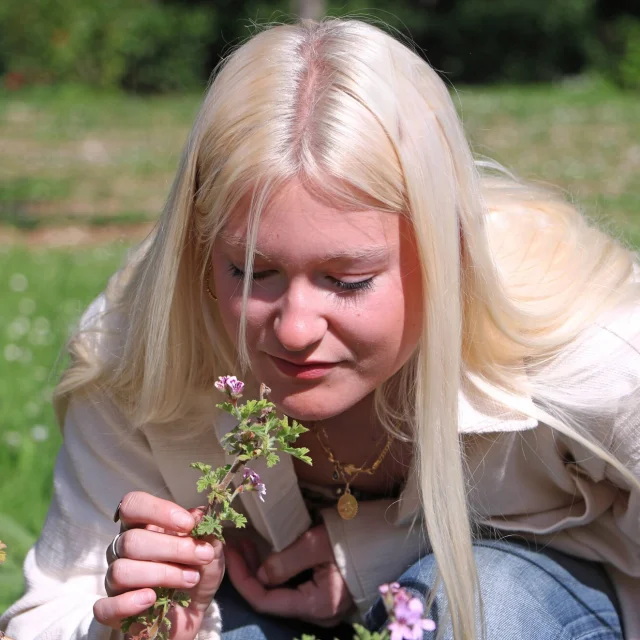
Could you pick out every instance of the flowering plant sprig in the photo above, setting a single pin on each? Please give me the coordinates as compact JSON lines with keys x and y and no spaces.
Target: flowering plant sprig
{"x":405,"y":613}
{"x":260,"y":433}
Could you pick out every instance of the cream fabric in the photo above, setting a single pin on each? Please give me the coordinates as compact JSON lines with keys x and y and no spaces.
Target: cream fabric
{"x":526,"y":478}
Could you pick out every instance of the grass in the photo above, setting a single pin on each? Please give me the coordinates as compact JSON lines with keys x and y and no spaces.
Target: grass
{"x":582,"y":137}
{"x":68,"y":154}
{"x":75,"y":153}
{"x":42,"y":294}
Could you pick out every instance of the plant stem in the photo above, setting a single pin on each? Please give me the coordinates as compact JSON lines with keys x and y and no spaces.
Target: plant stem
{"x":235,"y":467}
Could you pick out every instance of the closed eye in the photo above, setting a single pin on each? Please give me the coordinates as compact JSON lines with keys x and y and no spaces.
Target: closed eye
{"x":238,"y":273}
{"x":362,"y":285}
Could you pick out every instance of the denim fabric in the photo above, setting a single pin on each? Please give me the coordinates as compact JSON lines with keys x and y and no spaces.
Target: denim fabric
{"x":527,"y":593}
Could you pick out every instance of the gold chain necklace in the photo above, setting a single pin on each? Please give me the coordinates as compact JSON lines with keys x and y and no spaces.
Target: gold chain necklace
{"x":347,"y":504}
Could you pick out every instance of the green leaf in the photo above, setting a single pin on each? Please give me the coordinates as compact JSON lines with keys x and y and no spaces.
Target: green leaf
{"x":126,"y":623}
{"x":272,"y":459}
{"x":204,"y":468}
{"x":181,"y":598}
{"x":203,"y":483}
{"x":229,"y":513}
{"x":220,"y":473}
{"x":226,"y":406}
{"x":298,"y":452}
{"x":208,"y":525}
{"x":247,"y":409}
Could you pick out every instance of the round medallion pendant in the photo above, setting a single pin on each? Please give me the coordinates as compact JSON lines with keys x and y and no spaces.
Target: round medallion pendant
{"x":347,"y":506}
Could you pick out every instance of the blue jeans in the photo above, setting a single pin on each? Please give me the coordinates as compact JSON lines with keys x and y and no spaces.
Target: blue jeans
{"x":528,"y":594}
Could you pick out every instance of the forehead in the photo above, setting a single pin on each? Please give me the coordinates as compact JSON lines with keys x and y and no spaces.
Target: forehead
{"x":301,"y":222}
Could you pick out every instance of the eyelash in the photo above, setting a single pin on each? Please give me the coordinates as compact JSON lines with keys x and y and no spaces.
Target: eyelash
{"x":345,"y":287}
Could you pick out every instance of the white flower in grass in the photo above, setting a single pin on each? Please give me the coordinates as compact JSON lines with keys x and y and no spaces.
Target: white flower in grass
{"x":42,"y":324}
{"x":40,"y":432}
{"x":18,"y":282}
{"x":18,"y":328}
{"x":26,"y":306}
{"x":32,"y":409}
{"x":13,"y":439}
{"x":12,"y":352}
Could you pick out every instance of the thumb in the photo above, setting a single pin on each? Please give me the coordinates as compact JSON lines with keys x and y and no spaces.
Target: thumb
{"x":211,"y":575}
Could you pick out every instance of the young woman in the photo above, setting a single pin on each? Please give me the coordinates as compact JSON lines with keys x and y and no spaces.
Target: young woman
{"x":462,"y":347}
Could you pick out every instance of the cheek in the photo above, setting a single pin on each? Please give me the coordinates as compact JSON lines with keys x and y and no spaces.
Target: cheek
{"x":386,"y":332}
{"x":231,"y":313}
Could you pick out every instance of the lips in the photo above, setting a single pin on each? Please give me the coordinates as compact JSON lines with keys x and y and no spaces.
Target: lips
{"x":308,"y":371}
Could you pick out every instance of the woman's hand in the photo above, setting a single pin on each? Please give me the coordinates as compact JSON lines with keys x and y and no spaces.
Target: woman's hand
{"x":155,"y":550}
{"x":324,"y":600}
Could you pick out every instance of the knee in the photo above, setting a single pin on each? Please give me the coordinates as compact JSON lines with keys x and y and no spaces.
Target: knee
{"x":525,"y":594}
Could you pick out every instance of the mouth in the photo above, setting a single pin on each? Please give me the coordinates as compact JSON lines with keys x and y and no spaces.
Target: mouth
{"x":309,"y":371}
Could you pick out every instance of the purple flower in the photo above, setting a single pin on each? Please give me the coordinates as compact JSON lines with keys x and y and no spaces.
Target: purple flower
{"x":230,"y":385}
{"x":251,"y":482}
{"x":405,"y":613}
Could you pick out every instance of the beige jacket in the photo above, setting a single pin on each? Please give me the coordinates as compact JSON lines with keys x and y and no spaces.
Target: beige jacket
{"x":526,"y":479}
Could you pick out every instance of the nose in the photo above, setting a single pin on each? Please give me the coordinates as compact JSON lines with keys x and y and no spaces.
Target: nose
{"x":300,"y":321}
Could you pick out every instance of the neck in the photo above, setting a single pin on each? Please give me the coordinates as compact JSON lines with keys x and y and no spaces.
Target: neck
{"x":358,"y":423}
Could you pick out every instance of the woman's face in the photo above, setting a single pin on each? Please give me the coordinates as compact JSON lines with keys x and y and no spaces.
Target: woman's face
{"x":335,"y":306}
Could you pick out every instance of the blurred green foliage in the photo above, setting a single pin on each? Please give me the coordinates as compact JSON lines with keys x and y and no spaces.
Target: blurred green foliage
{"x":42,"y":295}
{"x":619,"y":57}
{"x":166,"y":45}
{"x":133,"y":44}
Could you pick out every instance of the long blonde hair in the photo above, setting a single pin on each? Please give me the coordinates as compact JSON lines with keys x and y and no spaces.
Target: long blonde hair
{"x":368,"y":124}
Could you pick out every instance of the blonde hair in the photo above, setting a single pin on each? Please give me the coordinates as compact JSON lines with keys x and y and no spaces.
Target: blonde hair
{"x":512,"y":274}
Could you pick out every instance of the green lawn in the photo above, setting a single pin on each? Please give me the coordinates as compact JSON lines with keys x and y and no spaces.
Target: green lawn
{"x":42,"y":294}
{"x":69,"y":153}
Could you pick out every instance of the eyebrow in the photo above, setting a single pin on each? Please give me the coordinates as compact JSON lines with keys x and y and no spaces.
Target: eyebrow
{"x":371,"y":253}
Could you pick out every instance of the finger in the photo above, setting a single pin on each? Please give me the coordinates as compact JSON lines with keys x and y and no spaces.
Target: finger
{"x":328,"y":596}
{"x":142,"y":544}
{"x":309,"y":550}
{"x":111,"y":611}
{"x":250,"y":554}
{"x":278,"y":602}
{"x":125,"y":574}
{"x":139,"y":509}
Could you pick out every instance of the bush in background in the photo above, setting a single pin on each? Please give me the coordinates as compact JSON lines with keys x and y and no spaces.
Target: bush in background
{"x":618,"y":54}
{"x":132,"y":44}
{"x":164,"y":45}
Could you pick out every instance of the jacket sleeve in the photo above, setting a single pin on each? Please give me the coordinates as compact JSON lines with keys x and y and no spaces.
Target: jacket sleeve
{"x":101,"y":459}
{"x":372,"y":549}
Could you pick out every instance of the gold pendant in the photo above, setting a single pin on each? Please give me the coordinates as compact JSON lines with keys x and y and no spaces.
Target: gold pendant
{"x":347,"y":505}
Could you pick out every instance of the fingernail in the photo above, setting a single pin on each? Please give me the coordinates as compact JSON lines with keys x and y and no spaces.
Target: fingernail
{"x":204,"y":551}
{"x":144,"y":598}
{"x":262,"y":575}
{"x":191,"y":576}
{"x":182,"y":520}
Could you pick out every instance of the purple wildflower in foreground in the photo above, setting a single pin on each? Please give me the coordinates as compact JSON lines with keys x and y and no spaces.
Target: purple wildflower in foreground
{"x":406,"y":620}
{"x":230,"y":385}
{"x":251,"y":481}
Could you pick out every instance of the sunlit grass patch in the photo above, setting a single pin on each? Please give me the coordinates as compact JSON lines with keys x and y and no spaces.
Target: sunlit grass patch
{"x":70,"y":152}
{"x":42,"y":294}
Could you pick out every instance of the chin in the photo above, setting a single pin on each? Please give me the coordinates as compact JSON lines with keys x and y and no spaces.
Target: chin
{"x":312,"y":405}
{"x":304,"y":411}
